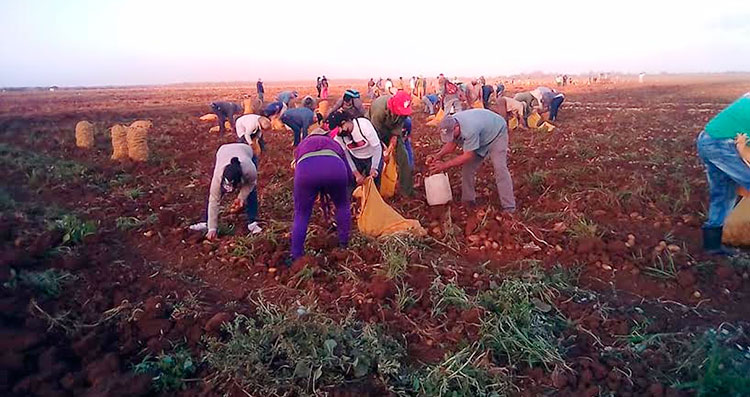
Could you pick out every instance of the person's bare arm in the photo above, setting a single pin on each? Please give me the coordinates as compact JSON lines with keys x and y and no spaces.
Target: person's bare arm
{"x":441,"y":166}
{"x":449,"y":147}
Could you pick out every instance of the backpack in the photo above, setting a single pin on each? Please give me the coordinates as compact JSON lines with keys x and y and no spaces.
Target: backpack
{"x":450,"y":88}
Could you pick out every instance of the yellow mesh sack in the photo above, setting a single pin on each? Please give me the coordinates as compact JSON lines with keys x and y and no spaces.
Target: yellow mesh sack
{"x":250,"y":105}
{"x":209,"y":117}
{"x":513,"y":123}
{"x":534,"y":119}
{"x":389,"y":178}
{"x":277,"y":125}
{"x":137,"y":140}
{"x":119,"y":142}
{"x":256,"y":147}
{"x":322,"y":107}
{"x":546,"y":127}
{"x":477,"y":104}
{"x":84,"y":134}
{"x":737,"y":225}
{"x":376,"y":218}
{"x":437,"y":119}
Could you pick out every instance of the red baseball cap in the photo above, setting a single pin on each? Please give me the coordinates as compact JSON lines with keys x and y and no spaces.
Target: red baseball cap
{"x":400,"y":104}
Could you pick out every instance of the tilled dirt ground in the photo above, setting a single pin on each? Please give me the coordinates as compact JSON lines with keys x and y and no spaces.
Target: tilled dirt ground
{"x":615,"y":195}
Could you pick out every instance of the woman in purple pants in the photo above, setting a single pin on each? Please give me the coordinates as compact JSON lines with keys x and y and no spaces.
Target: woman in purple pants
{"x":321,"y":169}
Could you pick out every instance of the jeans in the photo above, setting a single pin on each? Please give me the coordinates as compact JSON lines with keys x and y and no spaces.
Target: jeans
{"x":251,"y":206}
{"x":223,"y":117}
{"x":499,"y":155}
{"x":428,"y":105}
{"x":327,"y":176}
{"x":364,"y":165}
{"x":725,"y":171}
{"x":555,"y":106}
{"x":452,"y":105}
{"x":409,"y":152}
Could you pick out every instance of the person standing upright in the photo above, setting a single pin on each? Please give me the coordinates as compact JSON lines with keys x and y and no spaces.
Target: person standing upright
{"x":259,"y":88}
{"x":318,"y":86}
{"x":324,"y":88}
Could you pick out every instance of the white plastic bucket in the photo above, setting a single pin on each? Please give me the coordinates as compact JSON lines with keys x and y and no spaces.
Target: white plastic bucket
{"x":438,"y":189}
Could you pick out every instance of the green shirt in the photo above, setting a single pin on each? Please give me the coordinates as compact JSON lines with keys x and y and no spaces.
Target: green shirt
{"x":733,"y":120}
{"x":386,"y":123}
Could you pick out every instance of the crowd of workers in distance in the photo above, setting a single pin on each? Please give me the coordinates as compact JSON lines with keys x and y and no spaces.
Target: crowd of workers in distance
{"x":352,"y":140}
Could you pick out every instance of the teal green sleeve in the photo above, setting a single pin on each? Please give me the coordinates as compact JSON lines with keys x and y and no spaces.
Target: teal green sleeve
{"x":733,"y":120}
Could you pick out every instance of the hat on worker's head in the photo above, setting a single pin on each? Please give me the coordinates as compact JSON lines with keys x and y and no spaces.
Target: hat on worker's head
{"x":400,"y":104}
{"x":446,"y":127}
{"x":350,"y":94}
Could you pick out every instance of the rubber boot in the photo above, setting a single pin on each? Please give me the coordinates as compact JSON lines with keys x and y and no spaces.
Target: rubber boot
{"x":712,"y":242}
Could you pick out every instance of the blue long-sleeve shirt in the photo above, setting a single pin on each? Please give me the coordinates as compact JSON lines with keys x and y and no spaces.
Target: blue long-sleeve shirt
{"x":272,"y":109}
{"x":285,"y":97}
{"x":301,"y":117}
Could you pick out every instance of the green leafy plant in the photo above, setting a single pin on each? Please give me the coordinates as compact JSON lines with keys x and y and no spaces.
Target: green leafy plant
{"x":292,"y":351}
{"x":74,"y":229}
{"x":537,"y":179}
{"x":583,"y":228}
{"x":663,"y":267}
{"x":463,"y":373}
{"x":168,"y":371}
{"x":134,"y":193}
{"x":405,"y":297}
{"x":396,"y":251}
{"x":131,"y":222}
{"x":521,"y":322}
{"x":450,"y":294}
{"x":49,"y":282}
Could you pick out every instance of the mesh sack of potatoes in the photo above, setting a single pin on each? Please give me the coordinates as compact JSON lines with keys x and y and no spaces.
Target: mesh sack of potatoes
{"x":737,"y":225}
{"x":137,"y":140}
{"x":84,"y":134}
{"x":119,"y":142}
{"x":251,"y":105}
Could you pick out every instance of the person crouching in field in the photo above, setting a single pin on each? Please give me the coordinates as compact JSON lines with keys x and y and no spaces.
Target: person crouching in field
{"x":250,"y":129}
{"x":510,"y":108}
{"x":430,"y":101}
{"x":487,"y":91}
{"x":233,"y":170}
{"x":387,"y":115}
{"x":299,"y":120}
{"x":719,"y":146}
{"x":320,"y":169}
{"x":361,"y":144}
{"x":480,"y":132}
{"x":350,"y":103}
{"x":225,"y":111}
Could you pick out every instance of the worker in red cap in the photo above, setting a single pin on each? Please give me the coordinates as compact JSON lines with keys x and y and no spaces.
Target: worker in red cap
{"x":387,"y":114}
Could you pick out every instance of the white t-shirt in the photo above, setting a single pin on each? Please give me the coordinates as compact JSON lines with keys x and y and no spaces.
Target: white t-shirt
{"x":364,"y":142}
{"x":248,"y":126}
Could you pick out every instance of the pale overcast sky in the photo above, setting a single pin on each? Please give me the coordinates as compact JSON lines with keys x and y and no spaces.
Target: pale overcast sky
{"x":109,"y":42}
